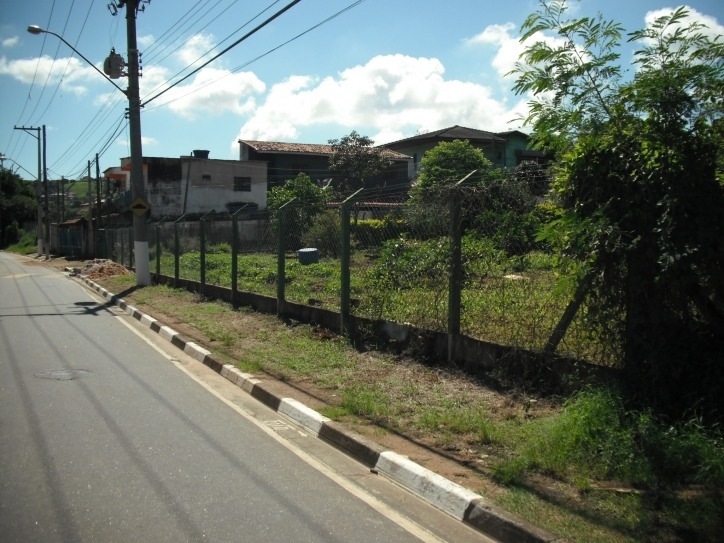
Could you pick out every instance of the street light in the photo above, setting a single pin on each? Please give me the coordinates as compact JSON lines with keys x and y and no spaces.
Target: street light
{"x":35,"y":29}
{"x":139,"y":204}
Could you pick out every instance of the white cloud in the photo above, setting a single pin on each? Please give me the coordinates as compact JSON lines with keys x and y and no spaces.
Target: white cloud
{"x":11,"y":42}
{"x":390,"y":97}
{"x":145,"y":41}
{"x":72,"y":74}
{"x":509,"y":47}
{"x":214,"y":92}
{"x":194,"y":48}
{"x":713,"y":28}
{"x":209,"y":92}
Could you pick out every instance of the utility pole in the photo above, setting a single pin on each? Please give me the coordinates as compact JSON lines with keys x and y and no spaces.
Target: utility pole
{"x":99,"y":203}
{"x":38,"y":199}
{"x":139,"y":205}
{"x":46,"y":204}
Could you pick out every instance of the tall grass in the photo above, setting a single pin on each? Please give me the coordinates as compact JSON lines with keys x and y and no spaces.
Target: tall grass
{"x":596,"y":438}
{"x":27,"y":244}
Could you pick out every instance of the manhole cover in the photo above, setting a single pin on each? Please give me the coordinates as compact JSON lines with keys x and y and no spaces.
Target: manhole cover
{"x":62,"y":375}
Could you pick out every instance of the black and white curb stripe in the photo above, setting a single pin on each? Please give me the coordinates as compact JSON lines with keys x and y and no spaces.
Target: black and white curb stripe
{"x":461,"y":503}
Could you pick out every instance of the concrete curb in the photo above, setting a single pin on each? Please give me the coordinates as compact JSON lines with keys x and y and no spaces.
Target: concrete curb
{"x":461,"y":503}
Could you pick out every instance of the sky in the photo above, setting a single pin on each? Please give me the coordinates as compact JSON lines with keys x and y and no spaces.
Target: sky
{"x":387,"y":69}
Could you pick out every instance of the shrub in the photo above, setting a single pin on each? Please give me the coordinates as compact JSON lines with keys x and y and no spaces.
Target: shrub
{"x":325,"y":234}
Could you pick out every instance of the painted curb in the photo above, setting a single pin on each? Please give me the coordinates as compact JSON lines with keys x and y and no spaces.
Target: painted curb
{"x":454,"y":499}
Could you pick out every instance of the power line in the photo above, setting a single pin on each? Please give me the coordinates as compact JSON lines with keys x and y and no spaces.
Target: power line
{"x":152,"y":52}
{"x":67,"y":64}
{"x":55,"y":58}
{"x":237,"y":42}
{"x":216,"y":45}
{"x":270,"y":51}
{"x":32,"y":83}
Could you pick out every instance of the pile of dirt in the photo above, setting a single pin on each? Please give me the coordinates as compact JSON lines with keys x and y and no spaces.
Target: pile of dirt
{"x":99,"y":268}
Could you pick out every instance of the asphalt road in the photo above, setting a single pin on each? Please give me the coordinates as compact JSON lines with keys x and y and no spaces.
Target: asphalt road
{"x":107,"y":434}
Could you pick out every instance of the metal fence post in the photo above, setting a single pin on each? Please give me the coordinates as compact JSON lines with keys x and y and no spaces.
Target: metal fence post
{"x":281,"y":255}
{"x":344,"y":262}
{"x":235,"y":253}
{"x":202,"y":255}
{"x":455,"y":285}
{"x":176,"y":251}
{"x":158,"y":247}
{"x":123,"y":250}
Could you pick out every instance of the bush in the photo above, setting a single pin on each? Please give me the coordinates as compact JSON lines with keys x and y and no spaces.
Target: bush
{"x":325,"y":234}
{"x":596,"y":437}
{"x":374,"y":232}
{"x":27,"y":243}
{"x":218,"y":249}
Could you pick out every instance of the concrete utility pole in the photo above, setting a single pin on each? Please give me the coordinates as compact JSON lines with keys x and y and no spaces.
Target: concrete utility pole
{"x":46,"y":203}
{"x":39,"y":227}
{"x":139,"y":205}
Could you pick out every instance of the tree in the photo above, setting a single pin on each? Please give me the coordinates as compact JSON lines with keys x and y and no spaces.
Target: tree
{"x":17,"y":205}
{"x":440,"y":169}
{"x":637,"y":181}
{"x":356,"y":162}
{"x":307,"y":202}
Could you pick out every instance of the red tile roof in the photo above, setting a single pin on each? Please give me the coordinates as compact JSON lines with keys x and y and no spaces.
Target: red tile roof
{"x":307,"y":148}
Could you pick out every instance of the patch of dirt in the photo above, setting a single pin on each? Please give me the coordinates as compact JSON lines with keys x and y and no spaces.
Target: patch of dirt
{"x":99,"y":269}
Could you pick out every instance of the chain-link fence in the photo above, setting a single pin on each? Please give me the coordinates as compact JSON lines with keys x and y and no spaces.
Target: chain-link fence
{"x":465,"y":261}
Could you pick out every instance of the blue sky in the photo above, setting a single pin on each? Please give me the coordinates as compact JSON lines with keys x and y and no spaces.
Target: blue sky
{"x":388,"y":69}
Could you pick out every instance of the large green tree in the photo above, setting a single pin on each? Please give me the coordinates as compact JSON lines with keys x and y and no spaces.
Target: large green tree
{"x":17,"y":205}
{"x":441,"y":168}
{"x":356,"y":162}
{"x":638,"y":181}
{"x":303,"y":201}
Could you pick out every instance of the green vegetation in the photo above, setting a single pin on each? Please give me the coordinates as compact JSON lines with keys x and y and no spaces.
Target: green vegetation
{"x":17,"y":206}
{"x":594,"y":438}
{"x":355,"y":162}
{"x":27,"y":243}
{"x":640,"y":196}
{"x":302,"y":201}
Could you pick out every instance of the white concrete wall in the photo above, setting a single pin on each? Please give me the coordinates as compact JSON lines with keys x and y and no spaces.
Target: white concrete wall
{"x":196,"y":194}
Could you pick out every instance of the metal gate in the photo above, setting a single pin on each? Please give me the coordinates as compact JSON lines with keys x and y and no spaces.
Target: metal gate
{"x":70,"y":242}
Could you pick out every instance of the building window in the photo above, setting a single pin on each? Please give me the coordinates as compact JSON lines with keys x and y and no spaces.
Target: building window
{"x":242,"y":184}
{"x":206,"y":177}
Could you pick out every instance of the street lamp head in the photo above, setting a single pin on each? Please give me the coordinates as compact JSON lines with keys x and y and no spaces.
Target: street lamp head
{"x":35,"y":29}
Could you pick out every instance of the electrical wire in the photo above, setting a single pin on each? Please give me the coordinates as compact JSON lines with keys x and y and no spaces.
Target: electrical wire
{"x":244,"y":65}
{"x":210,"y":50}
{"x":55,"y":58}
{"x":237,"y":42}
{"x":93,"y":125}
{"x":170,"y":35}
{"x":105,"y":146}
{"x":13,"y":134}
{"x":67,"y":64}
{"x":119,"y":128}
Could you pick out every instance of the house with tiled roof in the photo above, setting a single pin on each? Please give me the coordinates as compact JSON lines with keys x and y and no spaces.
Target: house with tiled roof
{"x":286,"y":160}
{"x":503,"y":149}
